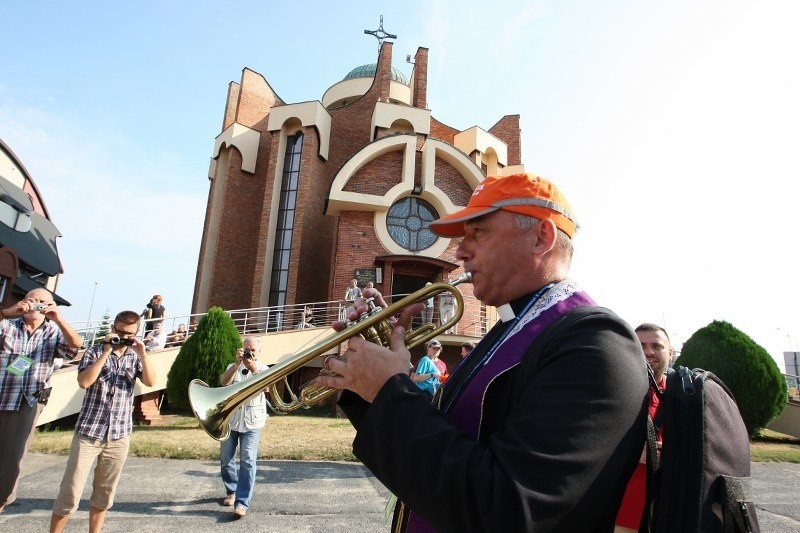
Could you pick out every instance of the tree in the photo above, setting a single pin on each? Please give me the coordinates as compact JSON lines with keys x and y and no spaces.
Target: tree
{"x":205,"y":355}
{"x":103,"y":329}
{"x":744,"y":366}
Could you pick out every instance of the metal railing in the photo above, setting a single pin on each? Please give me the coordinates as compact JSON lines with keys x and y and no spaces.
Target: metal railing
{"x":792,"y":387}
{"x":475,"y":322}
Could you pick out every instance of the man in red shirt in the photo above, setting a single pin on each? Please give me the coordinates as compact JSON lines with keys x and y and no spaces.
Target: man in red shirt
{"x":658,"y":352}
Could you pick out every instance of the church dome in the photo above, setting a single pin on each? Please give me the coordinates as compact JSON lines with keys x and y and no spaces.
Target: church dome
{"x":368,"y":71}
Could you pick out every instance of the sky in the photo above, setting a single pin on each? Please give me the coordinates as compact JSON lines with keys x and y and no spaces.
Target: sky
{"x":672,"y":127}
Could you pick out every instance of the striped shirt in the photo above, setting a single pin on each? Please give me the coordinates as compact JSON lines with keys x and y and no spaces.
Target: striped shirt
{"x":43,"y":345}
{"x":107,"y":410}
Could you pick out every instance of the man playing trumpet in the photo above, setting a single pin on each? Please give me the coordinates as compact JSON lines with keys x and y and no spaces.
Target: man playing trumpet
{"x":542,"y":424}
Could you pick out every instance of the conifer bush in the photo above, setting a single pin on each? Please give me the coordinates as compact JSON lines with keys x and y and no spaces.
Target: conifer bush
{"x":745,"y":367}
{"x":204,"y":355}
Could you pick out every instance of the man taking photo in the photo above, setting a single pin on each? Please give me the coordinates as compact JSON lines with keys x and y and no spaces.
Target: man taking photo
{"x":33,"y":334}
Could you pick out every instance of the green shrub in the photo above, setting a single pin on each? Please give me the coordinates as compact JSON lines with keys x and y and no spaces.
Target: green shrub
{"x":744,"y":366}
{"x":205,"y":355}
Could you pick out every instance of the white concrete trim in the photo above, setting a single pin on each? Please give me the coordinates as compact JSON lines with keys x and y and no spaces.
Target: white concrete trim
{"x":309,"y":114}
{"x":214,"y":215}
{"x":434,"y":148}
{"x":340,"y":200}
{"x":244,"y":139}
{"x":353,"y":88}
{"x":385,"y":115}
{"x":478,"y":139}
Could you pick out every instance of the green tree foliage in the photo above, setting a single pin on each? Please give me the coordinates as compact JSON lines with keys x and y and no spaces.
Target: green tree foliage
{"x":204,"y":355}
{"x":103,"y":329}
{"x":744,"y":366}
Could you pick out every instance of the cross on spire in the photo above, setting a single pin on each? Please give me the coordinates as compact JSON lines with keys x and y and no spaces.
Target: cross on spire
{"x":380,"y":34}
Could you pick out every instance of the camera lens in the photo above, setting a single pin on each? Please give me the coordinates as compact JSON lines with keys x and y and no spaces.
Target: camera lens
{"x":247,"y":354}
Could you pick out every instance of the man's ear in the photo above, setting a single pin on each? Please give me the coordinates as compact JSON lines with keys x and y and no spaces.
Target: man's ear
{"x":546,"y":236}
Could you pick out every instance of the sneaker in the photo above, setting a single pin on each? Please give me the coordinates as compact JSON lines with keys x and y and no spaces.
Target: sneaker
{"x":239,"y":511}
{"x":229,"y":499}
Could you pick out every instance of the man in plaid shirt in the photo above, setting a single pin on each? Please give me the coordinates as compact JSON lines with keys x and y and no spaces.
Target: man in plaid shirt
{"x":108,"y":372}
{"x":28,"y":345}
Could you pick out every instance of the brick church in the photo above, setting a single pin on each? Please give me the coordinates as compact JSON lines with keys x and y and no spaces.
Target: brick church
{"x":306,"y":196}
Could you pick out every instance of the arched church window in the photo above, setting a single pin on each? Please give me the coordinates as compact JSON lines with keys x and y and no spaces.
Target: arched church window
{"x":283,"y":232}
{"x":408,"y":222}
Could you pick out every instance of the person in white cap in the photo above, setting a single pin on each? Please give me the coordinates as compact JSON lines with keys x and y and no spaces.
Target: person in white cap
{"x":541,"y":426}
{"x":427,"y":376}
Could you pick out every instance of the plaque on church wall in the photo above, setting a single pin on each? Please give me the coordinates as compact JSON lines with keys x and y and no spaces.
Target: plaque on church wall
{"x":365,"y":275}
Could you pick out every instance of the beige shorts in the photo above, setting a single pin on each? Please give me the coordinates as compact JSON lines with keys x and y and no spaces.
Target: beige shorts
{"x":110,"y":455}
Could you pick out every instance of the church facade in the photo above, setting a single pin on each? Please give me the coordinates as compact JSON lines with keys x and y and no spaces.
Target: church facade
{"x":304,"y":197}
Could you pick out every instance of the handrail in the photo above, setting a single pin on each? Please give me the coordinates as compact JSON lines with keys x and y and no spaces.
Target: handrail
{"x":276,"y":319}
{"x":792,"y":386}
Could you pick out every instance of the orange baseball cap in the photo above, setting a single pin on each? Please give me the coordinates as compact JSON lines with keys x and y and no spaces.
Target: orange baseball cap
{"x":527,"y":194}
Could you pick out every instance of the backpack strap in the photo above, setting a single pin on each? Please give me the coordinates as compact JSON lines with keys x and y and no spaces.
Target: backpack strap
{"x":653,"y":487}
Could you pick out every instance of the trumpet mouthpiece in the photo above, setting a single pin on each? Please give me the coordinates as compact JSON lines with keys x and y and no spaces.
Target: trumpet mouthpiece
{"x":466,"y":277}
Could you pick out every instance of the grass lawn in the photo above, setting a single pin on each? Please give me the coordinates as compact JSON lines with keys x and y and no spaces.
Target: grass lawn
{"x":313,"y":435}
{"x":770,"y":446}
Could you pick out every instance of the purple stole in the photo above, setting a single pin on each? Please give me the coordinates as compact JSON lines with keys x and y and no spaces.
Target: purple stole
{"x":468,"y":411}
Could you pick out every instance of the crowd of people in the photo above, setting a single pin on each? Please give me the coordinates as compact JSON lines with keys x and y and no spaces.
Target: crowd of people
{"x":539,"y":426}
{"x":34,"y":336}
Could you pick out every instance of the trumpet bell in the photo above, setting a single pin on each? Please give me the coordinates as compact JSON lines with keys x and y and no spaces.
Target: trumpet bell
{"x":209,"y":406}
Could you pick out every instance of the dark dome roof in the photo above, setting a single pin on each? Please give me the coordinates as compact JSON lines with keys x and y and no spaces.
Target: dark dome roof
{"x":368,"y":71}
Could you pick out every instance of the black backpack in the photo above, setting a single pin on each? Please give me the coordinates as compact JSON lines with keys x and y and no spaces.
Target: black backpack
{"x":701,"y":482}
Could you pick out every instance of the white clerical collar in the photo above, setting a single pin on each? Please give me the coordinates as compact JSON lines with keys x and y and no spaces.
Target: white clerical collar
{"x":506,"y":313}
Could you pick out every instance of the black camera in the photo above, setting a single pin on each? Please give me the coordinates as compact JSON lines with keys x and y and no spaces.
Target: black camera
{"x":116,"y":340}
{"x":248,"y":354}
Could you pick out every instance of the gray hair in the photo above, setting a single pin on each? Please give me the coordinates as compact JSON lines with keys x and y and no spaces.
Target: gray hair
{"x":563,"y":242}
{"x":255,"y":341}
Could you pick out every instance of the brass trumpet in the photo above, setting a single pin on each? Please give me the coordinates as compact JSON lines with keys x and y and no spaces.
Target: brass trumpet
{"x":214,"y":407}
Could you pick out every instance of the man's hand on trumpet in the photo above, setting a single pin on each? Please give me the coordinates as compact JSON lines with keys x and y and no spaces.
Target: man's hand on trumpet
{"x":365,"y":367}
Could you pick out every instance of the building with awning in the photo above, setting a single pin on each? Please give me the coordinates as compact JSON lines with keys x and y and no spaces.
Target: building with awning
{"x":28,"y":249}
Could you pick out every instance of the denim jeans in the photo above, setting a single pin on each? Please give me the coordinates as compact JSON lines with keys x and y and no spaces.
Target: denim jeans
{"x":240,"y":482}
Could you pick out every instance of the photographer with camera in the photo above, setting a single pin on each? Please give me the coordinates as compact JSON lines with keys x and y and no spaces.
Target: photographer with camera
{"x":246,"y":427}
{"x":33,"y":334}
{"x":108,"y":371}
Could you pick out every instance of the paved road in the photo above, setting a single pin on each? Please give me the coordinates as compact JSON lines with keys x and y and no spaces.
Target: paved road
{"x":159,"y":495}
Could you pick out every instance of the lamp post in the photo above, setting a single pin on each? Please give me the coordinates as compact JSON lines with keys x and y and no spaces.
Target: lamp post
{"x":788,"y":336}
{"x":91,"y":305}
{"x":795,"y":371}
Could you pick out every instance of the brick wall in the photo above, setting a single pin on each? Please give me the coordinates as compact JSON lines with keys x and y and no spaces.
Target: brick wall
{"x":442,"y":131}
{"x":507,"y":130}
{"x":452,"y":183}
{"x":325,"y":249}
{"x":378,"y":175}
